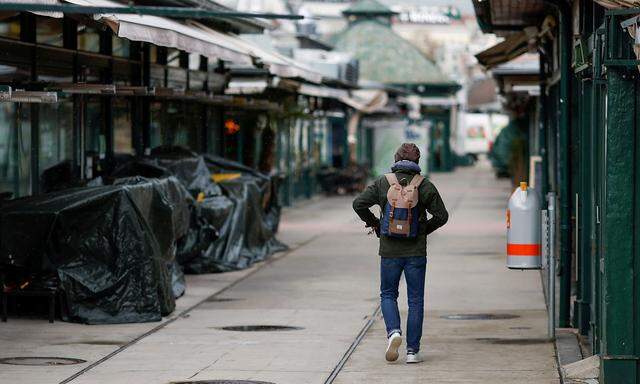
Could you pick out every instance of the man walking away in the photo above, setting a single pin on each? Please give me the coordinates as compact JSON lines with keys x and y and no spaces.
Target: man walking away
{"x":405,"y":197}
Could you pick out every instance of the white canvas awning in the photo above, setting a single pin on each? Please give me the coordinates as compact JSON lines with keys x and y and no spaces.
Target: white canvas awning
{"x":246,"y":86}
{"x":322,"y":91}
{"x":367,"y":101}
{"x":169,"y":33}
{"x":279,"y":65}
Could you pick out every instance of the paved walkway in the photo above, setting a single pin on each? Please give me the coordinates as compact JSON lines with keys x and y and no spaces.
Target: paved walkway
{"x":327,"y":284}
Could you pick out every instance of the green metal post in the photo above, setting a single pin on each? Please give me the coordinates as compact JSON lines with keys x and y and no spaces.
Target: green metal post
{"x":584,"y":217}
{"x":543,"y":128}
{"x":619,"y":361}
{"x":564,"y":187}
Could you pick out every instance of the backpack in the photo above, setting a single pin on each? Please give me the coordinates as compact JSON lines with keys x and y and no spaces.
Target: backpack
{"x":400,"y":215}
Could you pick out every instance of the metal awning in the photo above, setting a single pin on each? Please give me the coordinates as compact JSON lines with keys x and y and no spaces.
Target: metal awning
{"x":512,"y":47}
{"x":278,"y":64}
{"x":322,"y":91}
{"x":246,"y":86}
{"x":169,"y":33}
{"x":367,"y":100}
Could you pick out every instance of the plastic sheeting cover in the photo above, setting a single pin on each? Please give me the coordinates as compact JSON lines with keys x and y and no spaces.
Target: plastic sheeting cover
{"x":103,"y":244}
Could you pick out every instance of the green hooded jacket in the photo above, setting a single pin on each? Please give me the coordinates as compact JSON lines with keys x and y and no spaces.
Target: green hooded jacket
{"x":430,"y":201}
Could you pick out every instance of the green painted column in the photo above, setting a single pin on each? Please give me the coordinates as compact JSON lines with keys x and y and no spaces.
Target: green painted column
{"x":584,"y":215}
{"x":619,"y":364}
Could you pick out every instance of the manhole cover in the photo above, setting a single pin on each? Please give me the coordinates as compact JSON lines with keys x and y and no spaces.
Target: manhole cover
{"x":221,"y":382}
{"x":495,"y":340}
{"x":480,"y":316}
{"x":259,"y":328}
{"x":40,"y":361}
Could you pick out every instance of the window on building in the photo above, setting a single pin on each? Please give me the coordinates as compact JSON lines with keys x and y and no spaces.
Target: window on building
{"x":56,"y":134}
{"x":214,"y":131}
{"x":121,"y":47}
{"x":122,"y":137}
{"x":157,"y":117}
{"x":88,"y":38}
{"x":94,"y":138}
{"x":15,"y":149}
{"x":49,"y":31}
{"x":173,"y":58}
{"x":10,"y":26}
{"x":176,"y":130}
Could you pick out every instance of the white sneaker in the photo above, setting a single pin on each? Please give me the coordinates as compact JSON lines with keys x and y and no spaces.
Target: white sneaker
{"x":413,"y":358}
{"x":392,"y":348}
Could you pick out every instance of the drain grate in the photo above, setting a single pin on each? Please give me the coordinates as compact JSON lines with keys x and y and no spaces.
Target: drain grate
{"x":519,"y":328}
{"x":480,"y":316}
{"x":221,"y":382}
{"x":260,"y":328}
{"x":495,"y":340}
{"x":37,"y":360}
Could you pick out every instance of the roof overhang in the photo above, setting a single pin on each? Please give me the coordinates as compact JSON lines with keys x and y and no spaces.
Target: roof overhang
{"x":512,"y":47}
{"x":500,"y":16}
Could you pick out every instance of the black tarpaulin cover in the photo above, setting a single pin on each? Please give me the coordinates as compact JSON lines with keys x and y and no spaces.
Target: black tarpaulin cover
{"x":108,"y":246}
{"x":233,"y":225}
{"x":248,"y":235}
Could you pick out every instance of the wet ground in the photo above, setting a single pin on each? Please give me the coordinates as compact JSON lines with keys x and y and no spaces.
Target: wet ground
{"x":324,"y":291}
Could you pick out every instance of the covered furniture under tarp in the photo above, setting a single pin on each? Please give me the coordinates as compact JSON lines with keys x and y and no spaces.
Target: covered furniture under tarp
{"x":109,"y":249}
{"x":232,"y":223}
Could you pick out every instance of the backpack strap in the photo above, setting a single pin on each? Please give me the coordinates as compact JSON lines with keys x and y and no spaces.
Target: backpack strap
{"x":392,"y":179}
{"x":393,"y":183}
{"x":417,"y":180}
{"x":413,"y":185}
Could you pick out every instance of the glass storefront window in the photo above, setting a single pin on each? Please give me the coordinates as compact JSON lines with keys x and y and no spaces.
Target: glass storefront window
{"x":170,"y":125}
{"x":121,"y":47}
{"x":214,"y":131}
{"x":88,"y":39}
{"x":56,"y":134}
{"x":49,"y":31}
{"x":175,"y":130}
{"x":94,"y":139}
{"x":156,"y":124}
{"x":15,"y":149}
{"x":122,"y":137}
{"x":10,"y":27}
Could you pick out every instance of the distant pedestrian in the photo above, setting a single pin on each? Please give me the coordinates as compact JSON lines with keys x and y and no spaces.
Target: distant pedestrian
{"x":404,"y":197}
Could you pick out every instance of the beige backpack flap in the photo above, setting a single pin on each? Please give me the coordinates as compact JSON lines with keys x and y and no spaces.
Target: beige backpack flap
{"x":394,"y":193}
{"x":412,"y":191}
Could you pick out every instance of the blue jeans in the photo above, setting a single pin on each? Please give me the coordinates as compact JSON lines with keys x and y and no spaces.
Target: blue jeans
{"x":414,"y":273}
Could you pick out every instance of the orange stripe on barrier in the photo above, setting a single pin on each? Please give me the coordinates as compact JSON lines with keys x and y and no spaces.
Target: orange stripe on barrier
{"x":523,"y":249}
